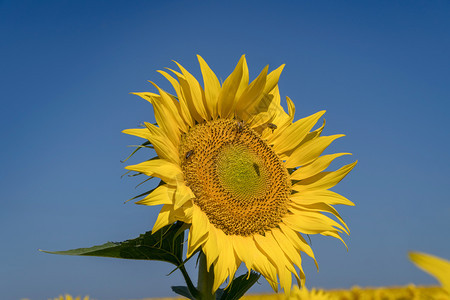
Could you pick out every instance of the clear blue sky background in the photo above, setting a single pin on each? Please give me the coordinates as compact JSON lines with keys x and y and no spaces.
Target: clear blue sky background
{"x":379,"y":68}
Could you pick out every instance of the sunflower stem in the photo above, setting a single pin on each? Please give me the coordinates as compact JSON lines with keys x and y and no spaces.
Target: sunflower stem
{"x":205,"y":280}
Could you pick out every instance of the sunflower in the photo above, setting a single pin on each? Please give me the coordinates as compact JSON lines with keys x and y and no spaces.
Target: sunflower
{"x":305,"y":294}
{"x":69,"y":297}
{"x":236,"y":168}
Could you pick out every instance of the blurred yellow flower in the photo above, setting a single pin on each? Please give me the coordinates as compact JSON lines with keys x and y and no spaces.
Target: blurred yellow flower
{"x":69,"y":297}
{"x":235,"y":166}
{"x":305,"y":294}
{"x":410,"y":292}
{"x":437,"y":267}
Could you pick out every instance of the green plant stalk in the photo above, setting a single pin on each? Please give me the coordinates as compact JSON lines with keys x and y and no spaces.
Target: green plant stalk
{"x":205,"y":280}
{"x":189,"y":283}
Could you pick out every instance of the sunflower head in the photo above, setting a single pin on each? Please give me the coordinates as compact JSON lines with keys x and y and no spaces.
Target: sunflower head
{"x":237,"y":168}
{"x":231,"y":164}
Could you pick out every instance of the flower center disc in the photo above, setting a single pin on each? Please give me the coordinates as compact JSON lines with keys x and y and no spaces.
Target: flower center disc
{"x":239,"y":182}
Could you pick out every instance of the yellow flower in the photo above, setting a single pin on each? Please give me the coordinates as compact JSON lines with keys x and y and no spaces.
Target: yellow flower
{"x":438,"y":267}
{"x":305,"y":294}
{"x":68,"y":297}
{"x":235,"y":166}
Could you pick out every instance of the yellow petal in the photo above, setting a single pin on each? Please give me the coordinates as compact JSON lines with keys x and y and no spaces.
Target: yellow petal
{"x":227,"y":96}
{"x":168,"y":215}
{"x":436,"y":266}
{"x":184,"y":213}
{"x":211,"y":247}
{"x":268,"y":246}
{"x":166,"y":116}
{"x":298,"y":241}
{"x":195,"y":91}
{"x":182,"y":195}
{"x":244,"y":79}
{"x":312,"y":135}
{"x":295,"y":133}
{"x":324,"y":180}
{"x":198,"y":232}
{"x":289,"y":250}
{"x":163,"y":194}
{"x":243,"y":250}
{"x":168,"y":124}
{"x":276,"y":109}
{"x":184,"y":109}
{"x":251,"y":96}
{"x":310,"y":151}
{"x":275,"y":112}
{"x":291,"y":108}
{"x":325,"y":196}
{"x":281,"y":119}
{"x":311,"y":222}
{"x":272,"y":79}
{"x":263,"y":113}
{"x":169,"y":106}
{"x":305,"y":226}
{"x":170,"y":173}
{"x":187,"y":96}
{"x":162,"y":145}
{"x":173,"y":107}
{"x":226,"y":264}
{"x":319,"y":207}
{"x":255,"y":259}
{"x":139,"y":132}
{"x":147,"y":96}
{"x":164,"y":218}
{"x":315,"y":167}
{"x":259,"y":120}
{"x":212,"y":87}
{"x":335,"y":235}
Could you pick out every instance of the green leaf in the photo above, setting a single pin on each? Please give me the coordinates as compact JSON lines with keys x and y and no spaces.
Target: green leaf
{"x":165,"y":245}
{"x":219,"y":294}
{"x":239,"y":286}
{"x":183,"y":291}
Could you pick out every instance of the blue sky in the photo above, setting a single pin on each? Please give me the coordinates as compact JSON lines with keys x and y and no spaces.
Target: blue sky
{"x":379,"y":68}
